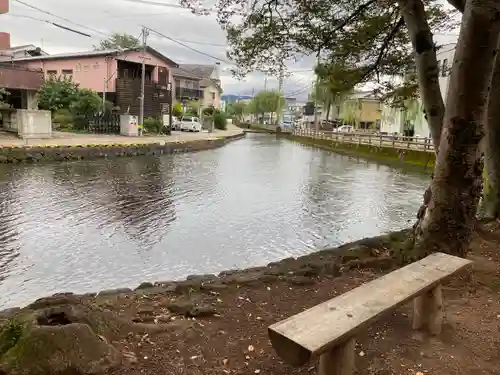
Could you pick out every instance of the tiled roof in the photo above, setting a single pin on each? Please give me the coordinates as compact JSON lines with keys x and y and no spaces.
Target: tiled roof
{"x":204,"y":71}
{"x":179,"y":72}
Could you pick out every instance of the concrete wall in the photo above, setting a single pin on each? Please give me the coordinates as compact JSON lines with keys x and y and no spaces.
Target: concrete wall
{"x":34,"y":124}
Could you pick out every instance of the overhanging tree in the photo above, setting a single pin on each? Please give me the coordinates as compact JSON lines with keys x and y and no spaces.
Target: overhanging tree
{"x":376,"y":38}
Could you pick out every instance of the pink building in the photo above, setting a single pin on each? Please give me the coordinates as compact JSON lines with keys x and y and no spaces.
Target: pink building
{"x":113,"y":73}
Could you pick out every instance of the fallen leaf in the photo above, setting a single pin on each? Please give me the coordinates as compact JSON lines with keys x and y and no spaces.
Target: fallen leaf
{"x":225,"y":361}
{"x":251,"y":348}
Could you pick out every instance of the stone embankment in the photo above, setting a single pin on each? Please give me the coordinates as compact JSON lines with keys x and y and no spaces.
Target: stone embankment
{"x":417,"y":160}
{"x":37,"y":153}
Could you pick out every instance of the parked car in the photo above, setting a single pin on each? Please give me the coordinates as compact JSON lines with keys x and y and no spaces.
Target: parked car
{"x":191,"y":124}
{"x":344,"y":129}
{"x":176,"y":123}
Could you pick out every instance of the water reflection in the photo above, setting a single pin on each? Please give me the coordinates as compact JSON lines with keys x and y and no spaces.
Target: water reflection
{"x":83,"y":226}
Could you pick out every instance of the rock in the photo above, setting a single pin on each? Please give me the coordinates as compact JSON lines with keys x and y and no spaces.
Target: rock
{"x":229,"y":273}
{"x":55,"y":300}
{"x":145,"y":310}
{"x":180,"y":306}
{"x":202,"y":278}
{"x":242,"y":279}
{"x":307,"y":271}
{"x":299,"y":280}
{"x":111,"y":292}
{"x":144,"y":285}
{"x":213,"y":287}
{"x":202,"y":311}
{"x":188,"y":284}
{"x":268,"y":278}
{"x":7,"y":313}
{"x":62,"y":349}
{"x":190,"y":308}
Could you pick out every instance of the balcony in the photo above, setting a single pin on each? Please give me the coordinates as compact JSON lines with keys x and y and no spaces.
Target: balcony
{"x":183,"y":93}
{"x":16,"y":77}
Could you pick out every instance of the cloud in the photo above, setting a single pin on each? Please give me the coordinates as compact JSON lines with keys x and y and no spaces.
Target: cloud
{"x":100,"y":18}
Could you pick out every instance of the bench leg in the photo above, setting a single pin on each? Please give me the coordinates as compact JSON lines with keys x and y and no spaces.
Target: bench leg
{"x":339,"y":361}
{"x":428,"y":311}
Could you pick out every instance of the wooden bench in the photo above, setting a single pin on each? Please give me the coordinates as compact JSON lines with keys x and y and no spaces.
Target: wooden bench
{"x":328,"y":330}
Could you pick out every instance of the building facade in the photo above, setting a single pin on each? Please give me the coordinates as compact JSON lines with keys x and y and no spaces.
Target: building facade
{"x":360,"y":109}
{"x":411,"y":119}
{"x":114,"y":74}
{"x":209,"y":83}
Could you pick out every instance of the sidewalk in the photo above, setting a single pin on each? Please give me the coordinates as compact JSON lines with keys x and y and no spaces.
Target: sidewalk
{"x":72,"y":139}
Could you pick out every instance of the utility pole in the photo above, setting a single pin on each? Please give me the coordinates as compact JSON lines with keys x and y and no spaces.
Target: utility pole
{"x":280,"y":93}
{"x":145,"y":34}
{"x":316,"y":118}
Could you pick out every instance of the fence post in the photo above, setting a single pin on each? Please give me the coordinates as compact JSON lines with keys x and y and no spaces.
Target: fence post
{"x":393,"y":141}
{"x":380,"y":143}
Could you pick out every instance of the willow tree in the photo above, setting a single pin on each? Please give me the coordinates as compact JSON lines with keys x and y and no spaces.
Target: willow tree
{"x":378,"y":38}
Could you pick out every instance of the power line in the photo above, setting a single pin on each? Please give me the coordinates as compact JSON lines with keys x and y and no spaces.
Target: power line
{"x":188,"y":47}
{"x":53,"y":24}
{"x":61,"y":18}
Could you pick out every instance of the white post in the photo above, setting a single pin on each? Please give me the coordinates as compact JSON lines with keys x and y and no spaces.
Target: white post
{"x":143,"y":78}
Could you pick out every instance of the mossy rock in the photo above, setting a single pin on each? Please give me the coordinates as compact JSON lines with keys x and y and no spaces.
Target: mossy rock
{"x":62,"y":349}
{"x":61,"y":335}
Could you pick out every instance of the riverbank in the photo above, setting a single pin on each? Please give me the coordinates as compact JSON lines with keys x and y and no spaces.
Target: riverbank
{"x":83,"y":146}
{"x":211,"y":324}
{"x":417,"y":160}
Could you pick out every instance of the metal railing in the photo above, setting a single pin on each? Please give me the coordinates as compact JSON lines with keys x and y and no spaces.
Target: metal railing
{"x":380,"y":140}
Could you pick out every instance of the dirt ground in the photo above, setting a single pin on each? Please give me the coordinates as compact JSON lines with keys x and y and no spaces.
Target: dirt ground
{"x":235,"y":340}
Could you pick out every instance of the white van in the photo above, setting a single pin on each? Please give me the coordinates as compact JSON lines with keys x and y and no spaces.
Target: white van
{"x":191,"y":124}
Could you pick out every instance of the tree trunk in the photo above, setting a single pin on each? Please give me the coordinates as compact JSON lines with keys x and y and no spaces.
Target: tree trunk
{"x":426,"y":63}
{"x":491,"y":193}
{"x":329,"y":106}
{"x":446,"y":223}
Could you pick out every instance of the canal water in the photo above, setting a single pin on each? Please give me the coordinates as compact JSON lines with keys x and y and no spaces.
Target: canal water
{"x":91,"y":225}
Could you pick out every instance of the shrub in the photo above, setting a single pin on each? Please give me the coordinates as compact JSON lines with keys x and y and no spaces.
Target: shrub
{"x":209,"y":111}
{"x":86,"y":103}
{"x":177,"y":110}
{"x":153,"y":125}
{"x":57,"y":93}
{"x":63,"y":118}
{"x":220,"y":121}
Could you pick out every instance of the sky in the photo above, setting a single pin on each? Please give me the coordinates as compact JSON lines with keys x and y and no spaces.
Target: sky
{"x":100,"y":18}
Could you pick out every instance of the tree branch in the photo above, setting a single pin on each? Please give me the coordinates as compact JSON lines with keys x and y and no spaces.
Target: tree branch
{"x":383,"y":49}
{"x":349,"y":19}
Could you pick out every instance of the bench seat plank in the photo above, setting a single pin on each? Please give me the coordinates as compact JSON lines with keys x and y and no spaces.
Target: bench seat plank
{"x":316,"y":330}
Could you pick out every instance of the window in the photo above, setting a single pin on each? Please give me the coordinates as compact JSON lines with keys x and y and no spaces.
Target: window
{"x":177,"y":82}
{"x":51,"y":72}
{"x":67,"y":72}
{"x":444,"y":71}
{"x":439,"y":66}
{"x":213,"y":95}
{"x":78,"y":67}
